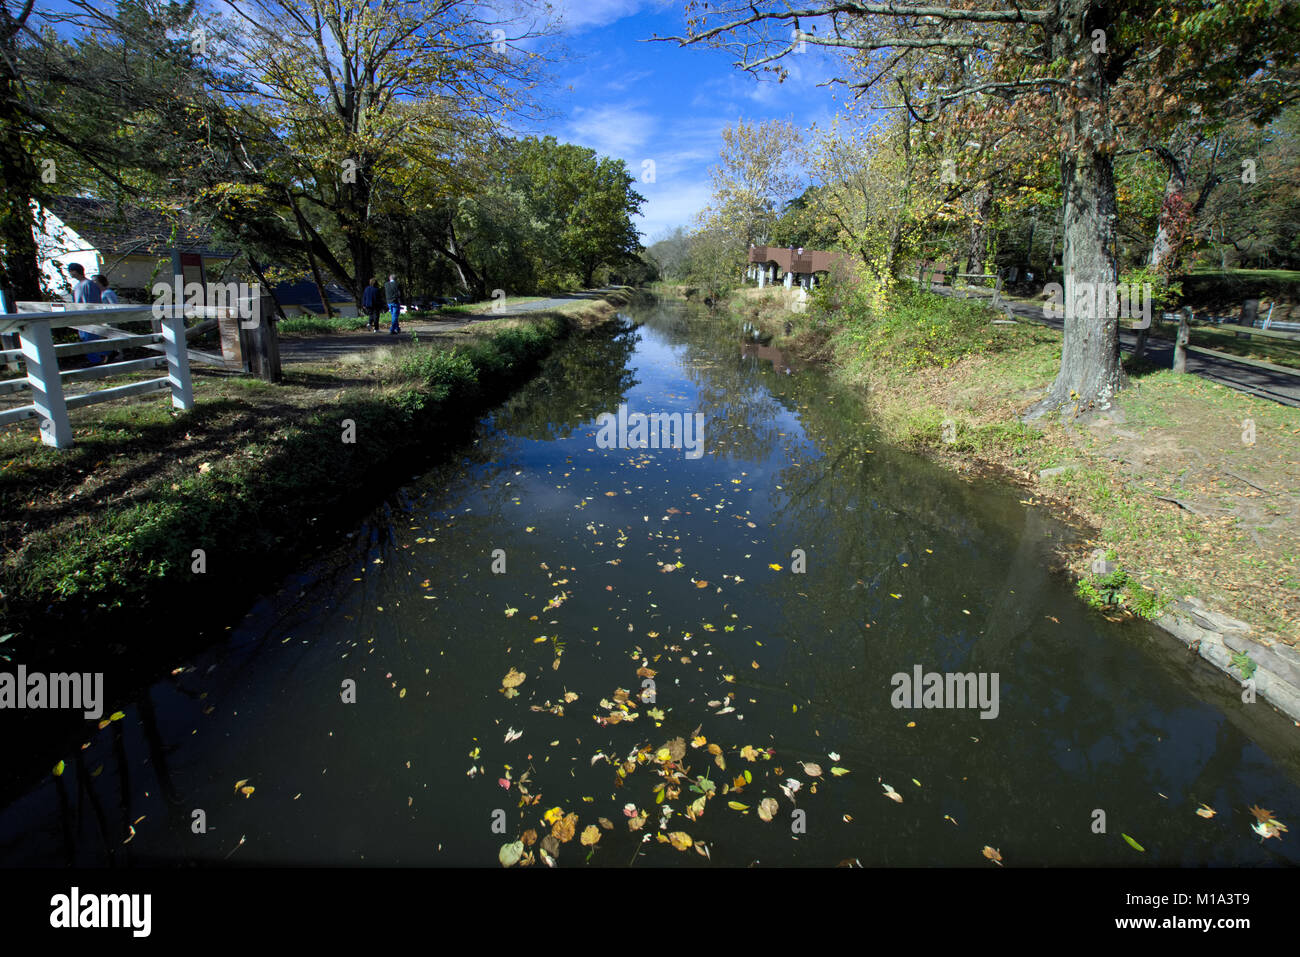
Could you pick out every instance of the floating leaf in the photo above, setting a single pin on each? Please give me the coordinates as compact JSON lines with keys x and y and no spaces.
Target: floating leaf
{"x":510,"y":853}
{"x":767,"y":809}
{"x":737,"y":806}
{"x":590,"y":835}
{"x":58,"y":768}
{"x":839,"y":772}
{"x":1133,"y":844}
{"x":1261,"y":814}
{"x":993,"y":854}
{"x":564,"y":830}
{"x":680,"y":840}
{"x":512,"y":679}
{"x":1206,"y":811}
{"x":810,"y":769}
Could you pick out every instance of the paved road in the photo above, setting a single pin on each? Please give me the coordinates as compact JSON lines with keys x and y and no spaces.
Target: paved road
{"x":329,"y":348}
{"x":1277,"y":386}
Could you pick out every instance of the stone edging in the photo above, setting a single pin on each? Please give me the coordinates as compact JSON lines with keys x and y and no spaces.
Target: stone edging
{"x":1215,"y":637}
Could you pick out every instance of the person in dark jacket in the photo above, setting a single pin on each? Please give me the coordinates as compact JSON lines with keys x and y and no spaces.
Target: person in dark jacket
{"x":372,"y":300}
{"x":393,"y":293}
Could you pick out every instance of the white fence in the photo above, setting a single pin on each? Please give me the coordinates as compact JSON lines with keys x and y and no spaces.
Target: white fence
{"x":34,"y":324}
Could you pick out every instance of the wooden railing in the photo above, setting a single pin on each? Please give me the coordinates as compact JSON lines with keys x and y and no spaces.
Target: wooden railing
{"x":34,"y":326}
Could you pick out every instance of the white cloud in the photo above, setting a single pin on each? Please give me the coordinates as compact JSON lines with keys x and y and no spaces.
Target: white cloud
{"x":617,"y":130}
{"x":576,"y":15}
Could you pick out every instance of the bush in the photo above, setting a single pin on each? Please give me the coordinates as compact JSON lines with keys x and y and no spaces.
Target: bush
{"x":444,"y":373}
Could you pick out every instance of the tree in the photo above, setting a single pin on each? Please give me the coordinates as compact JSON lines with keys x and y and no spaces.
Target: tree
{"x":758,"y":175}
{"x":136,"y":65}
{"x":363,"y":94}
{"x":586,"y":203}
{"x":1091,"y":64}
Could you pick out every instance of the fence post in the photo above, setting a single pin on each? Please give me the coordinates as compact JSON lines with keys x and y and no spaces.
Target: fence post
{"x":1184,"y":334}
{"x":260,"y":342}
{"x":1249,"y":313}
{"x":46,"y":387}
{"x":178,"y":361}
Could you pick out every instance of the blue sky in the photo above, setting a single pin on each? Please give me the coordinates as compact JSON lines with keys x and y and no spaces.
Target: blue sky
{"x":636,"y":101}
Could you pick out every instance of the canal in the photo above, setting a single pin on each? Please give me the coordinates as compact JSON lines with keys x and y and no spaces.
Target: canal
{"x":633,"y":656}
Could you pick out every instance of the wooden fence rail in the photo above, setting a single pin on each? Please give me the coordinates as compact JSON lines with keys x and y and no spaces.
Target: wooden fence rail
{"x":35,"y":322}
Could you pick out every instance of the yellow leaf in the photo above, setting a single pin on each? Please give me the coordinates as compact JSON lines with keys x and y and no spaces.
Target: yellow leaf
{"x":590,"y":835}
{"x":737,"y":806}
{"x":553,"y":815}
{"x":680,"y":840}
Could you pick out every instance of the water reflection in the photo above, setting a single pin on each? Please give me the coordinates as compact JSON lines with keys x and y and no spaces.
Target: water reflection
{"x":625,"y":559}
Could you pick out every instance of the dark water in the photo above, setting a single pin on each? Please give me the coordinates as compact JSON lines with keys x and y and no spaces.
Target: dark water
{"x":906,"y":565}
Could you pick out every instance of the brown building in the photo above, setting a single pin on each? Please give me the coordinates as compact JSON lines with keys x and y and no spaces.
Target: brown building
{"x":793,"y":265}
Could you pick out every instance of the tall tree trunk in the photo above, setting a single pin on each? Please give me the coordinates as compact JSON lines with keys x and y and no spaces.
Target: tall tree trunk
{"x":354,"y":219}
{"x":1090,"y":373}
{"x":978,"y":237}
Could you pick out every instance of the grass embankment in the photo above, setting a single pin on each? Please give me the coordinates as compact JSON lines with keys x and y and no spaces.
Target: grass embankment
{"x":256,"y":475}
{"x":1169,"y":484}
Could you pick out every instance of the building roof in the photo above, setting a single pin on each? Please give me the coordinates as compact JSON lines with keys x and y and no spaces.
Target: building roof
{"x":796,"y":260}
{"x":302,"y":292}
{"x":126,"y":228}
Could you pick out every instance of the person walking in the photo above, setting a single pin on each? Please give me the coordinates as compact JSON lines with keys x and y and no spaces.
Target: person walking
{"x":372,"y":300}
{"x":105,"y":294}
{"x":108,"y":296}
{"x":393,"y":293}
{"x":85,"y":291}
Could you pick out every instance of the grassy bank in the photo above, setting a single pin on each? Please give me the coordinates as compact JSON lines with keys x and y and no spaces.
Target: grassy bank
{"x":1166,"y":485}
{"x":100,"y":540}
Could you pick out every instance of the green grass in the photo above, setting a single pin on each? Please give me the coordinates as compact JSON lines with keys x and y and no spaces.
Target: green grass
{"x":316,"y":325}
{"x":1118,"y":590}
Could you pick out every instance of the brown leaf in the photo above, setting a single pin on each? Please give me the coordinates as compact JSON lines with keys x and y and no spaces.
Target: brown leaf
{"x":529,"y":837}
{"x":1261,"y":815}
{"x":551,"y":846}
{"x":564,"y":830}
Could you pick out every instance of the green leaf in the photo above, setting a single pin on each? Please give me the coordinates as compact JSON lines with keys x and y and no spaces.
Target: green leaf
{"x":1133,"y":844}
